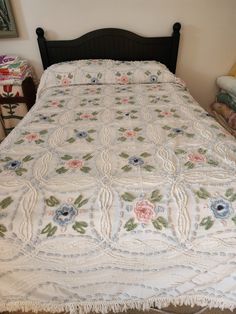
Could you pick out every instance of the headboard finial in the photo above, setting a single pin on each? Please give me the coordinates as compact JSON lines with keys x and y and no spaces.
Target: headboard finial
{"x":40,"y":32}
{"x":176,"y":27}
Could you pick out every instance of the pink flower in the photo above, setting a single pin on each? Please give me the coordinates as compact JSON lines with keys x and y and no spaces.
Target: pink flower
{"x":55,"y":103}
{"x":196,"y":157}
{"x":65,"y":81}
{"x":130,"y":133}
{"x":144,"y":211}
{"x":166,"y":113}
{"x":123,"y":79}
{"x":86,"y":116}
{"x":125,"y":100}
{"x":75,"y":163}
{"x":32,"y":137}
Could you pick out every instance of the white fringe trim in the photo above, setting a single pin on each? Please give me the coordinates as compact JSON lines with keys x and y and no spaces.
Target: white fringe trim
{"x":122,"y":306}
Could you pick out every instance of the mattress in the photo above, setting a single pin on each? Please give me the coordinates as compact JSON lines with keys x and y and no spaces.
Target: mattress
{"x":117,"y":191}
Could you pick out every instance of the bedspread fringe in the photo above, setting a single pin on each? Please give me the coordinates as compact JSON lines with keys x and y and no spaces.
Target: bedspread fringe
{"x":122,"y":306}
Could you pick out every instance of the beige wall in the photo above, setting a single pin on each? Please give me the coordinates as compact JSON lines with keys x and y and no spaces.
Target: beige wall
{"x":208,"y":43}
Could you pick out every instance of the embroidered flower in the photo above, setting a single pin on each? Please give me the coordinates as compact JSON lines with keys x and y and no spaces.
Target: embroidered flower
{"x":65,"y":214}
{"x":86,"y":116}
{"x":55,"y":103}
{"x":166,"y":113}
{"x":65,"y":81}
{"x":75,"y":163}
{"x":82,"y":134}
{"x":32,"y":137}
{"x":144,"y":211}
{"x":13,"y":165}
{"x":178,"y":130}
{"x":123,"y":79}
{"x":94,"y":80}
{"x":196,"y":157}
{"x":125,"y":100}
{"x":130,"y":133}
{"x":153,"y":78}
{"x":136,"y":161}
{"x":7,"y":88}
{"x":221,"y":208}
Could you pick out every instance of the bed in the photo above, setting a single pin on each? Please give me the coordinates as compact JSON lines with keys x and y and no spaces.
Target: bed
{"x":117,"y":190}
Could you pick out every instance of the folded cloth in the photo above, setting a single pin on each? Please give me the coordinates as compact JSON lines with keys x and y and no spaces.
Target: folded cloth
{"x":13,"y":71}
{"x":226,"y":98}
{"x":227,"y":113}
{"x":6,"y":59}
{"x":227,"y":83}
{"x":232,"y":72}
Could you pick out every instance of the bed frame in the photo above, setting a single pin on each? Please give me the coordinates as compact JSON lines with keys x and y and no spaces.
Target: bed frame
{"x":111,"y":43}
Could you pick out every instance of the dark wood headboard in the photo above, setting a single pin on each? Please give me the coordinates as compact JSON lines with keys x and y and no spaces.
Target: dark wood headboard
{"x":111,"y":43}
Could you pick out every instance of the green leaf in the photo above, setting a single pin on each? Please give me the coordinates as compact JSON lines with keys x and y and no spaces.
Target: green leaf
{"x":83,"y":202}
{"x":19,"y":142}
{"x":87,"y":156}
{"x":163,"y":221}
{"x":88,"y":76}
{"x":180,"y":151}
{"x":71,"y":140}
{"x":149,"y":168}
{"x":122,"y":139}
{"x":212,"y":162}
{"x":66,"y":157}
{"x":43,"y":132}
{"x":3,"y":229}
{"x":85,"y":169}
{"x":202,"y":193}
{"x":52,"y":201}
{"x":20,"y":171}
{"x":189,"y":134}
{"x":6,"y":202}
{"x":130,"y":225}
{"x":166,"y":127}
{"x":137,"y":129}
{"x":124,"y":155}
{"x":78,"y":199}
{"x":89,"y":139}
{"x":144,"y":155}
{"x":49,"y":230}
{"x":157,"y":225}
{"x":207,"y":222}
{"x":80,"y":226}
{"x":91,"y":131}
{"x":126,"y":168}
{"x":128,"y":197}
{"x":156,"y":196}
{"x":61,"y":170}
{"x":233,"y":198}
{"x":27,"y":158}
{"x":229,"y":192}
{"x":189,"y":165}
{"x":140,"y":138}
{"x":122,"y":129}
{"x":234,"y":219}
{"x":202,"y":151}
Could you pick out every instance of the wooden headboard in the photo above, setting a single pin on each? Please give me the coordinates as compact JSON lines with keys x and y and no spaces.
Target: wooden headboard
{"x":111,"y":43}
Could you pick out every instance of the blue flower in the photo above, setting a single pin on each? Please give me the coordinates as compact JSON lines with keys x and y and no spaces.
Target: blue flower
{"x":221,"y":208}
{"x":81,"y":134}
{"x":65,"y":214}
{"x":94,"y":80}
{"x":153,"y":78}
{"x":13,"y":165}
{"x":136,"y":161}
{"x":178,"y":130}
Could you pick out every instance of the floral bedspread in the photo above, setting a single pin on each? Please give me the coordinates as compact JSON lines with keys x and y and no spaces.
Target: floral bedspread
{"x":117,"y":191}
